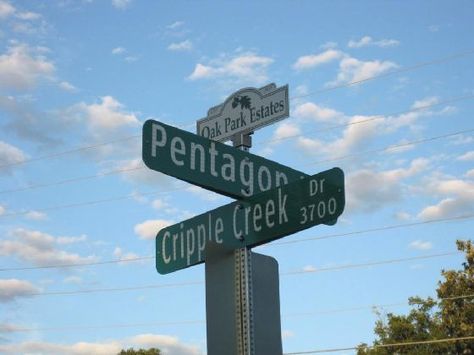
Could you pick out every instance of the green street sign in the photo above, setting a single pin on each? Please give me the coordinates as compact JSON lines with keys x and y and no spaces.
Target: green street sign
{"x":256,"y":220}
{"x":212,"y":165}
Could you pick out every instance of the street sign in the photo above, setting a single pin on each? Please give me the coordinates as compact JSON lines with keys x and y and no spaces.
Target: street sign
{"x":245,"y":111}
{"x":209,"y":164}
{"x":270,"y":215}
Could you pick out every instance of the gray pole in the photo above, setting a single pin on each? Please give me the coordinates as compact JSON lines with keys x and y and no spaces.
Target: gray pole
{"x":242,"y":298}
{"x":243,"y":279}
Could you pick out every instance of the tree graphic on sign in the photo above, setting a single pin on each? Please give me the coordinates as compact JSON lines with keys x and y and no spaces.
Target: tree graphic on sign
{"x":244,"y":102}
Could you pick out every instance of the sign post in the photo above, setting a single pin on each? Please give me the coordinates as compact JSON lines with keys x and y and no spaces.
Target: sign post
{"x":273,"y":201}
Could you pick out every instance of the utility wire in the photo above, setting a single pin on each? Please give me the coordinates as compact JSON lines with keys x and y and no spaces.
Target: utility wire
{"x":393,"y":72}
{"x":197,"y":282}
{"x":371,"y":230}
{"x":409,"y":343}
{"x":70,"y":151}
{"x":72,"y":180}
{"x":393,"y":147}
{"x":66,"y":266}
{"x":372,"y":118}
{"x":90,"y":203}
{"x":327,"y":236}
{"x":129,"y":170}
{"x":121,"y":171}
{"x":18,"y":329}
{"x":373,"y":263}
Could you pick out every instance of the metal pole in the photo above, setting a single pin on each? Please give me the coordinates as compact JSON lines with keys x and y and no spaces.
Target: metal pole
{"x":243,"y":280}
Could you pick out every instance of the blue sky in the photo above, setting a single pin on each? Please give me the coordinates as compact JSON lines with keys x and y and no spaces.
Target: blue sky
{"x":381,"y":89}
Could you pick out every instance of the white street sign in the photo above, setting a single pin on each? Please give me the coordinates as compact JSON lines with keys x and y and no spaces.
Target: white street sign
{"x":245,"y":111}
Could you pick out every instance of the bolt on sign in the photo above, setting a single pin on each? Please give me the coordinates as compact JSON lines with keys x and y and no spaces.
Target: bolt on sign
{"x":256,"y":220}
{"x":245,"y":111}
{"x":209,"y":164}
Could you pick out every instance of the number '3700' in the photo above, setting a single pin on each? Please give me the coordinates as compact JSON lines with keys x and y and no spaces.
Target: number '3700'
{"x":318,"y":210}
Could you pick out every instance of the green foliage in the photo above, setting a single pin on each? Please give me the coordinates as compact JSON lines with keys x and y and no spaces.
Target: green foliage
{"x":451,"y":317}
{"x":151,"y":351}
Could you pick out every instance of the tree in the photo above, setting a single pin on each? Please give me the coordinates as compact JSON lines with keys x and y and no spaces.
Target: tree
{"x":452,"y":316}
{"x":131,"y":351}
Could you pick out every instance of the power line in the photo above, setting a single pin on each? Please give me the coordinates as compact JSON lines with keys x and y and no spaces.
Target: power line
{"x":393,"y":72}
{"x":327,"y":236}
{"x":373,"y":263}
{"x":373,"y":118}
{"x":395,"y":146}
{"x":378,"y":150}
{"x":371,"y":230}
{"x":70,"y":151}
{"x":76,"y":179}
{"x":65,"y":266}
{"x":17,"y":329}
{"x":128,"y":170}
{"x":356,"y":82}
{"x":90,"y":203}
{"x":196,"y":282}
{"x":409,"y":343}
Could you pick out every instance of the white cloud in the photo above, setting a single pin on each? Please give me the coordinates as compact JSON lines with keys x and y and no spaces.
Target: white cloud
{"x":468,"y":156}
{"x":421,"y":245}
{"x":329,"y":45}
{"x":169,"y":345}
{"x":131,"y":58}
{"x":9,"y":155}
{"x":360,"y":130}
{"x":403,"y":216}
{"x":124,"y":256}
{"x":108,"y":114}
{"x":369,"y":190}
{"x":118,"y":50}
{"x":121,"y":4}
{"x":246,"y":67}
{"x":286,"y":130}
{"x":11,"y":289}
{"x":309,"y":268}
{"x":28,"y":16}
{"x":204,"y":194}
{"x":313,"y":60}
{"x":353,"y":137}
{"x":36,"y":216}
{"x":150,"y":228}
{"x":6,"y":9}
{"x":186,"y":45}
{"x":353,"y":70}
{"x":457,"y":198}
{"x":139,"y":174}
{"x":2,"y":210}
{"x":369,"y":41}
{"x":317,"y":113}
{"x":73,"y":280}
{"x":159,"y":204}
{"x":175,"y":25}
{"x":66,"y":86}
{"x":9,"y":327}
{"x":71,"y":240}
{"x":21,"y":67}
{"x":470,"y":174}
{"x":39,"y":248}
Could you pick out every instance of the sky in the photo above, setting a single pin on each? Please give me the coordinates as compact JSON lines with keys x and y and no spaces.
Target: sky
{"x":381,"y":89}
